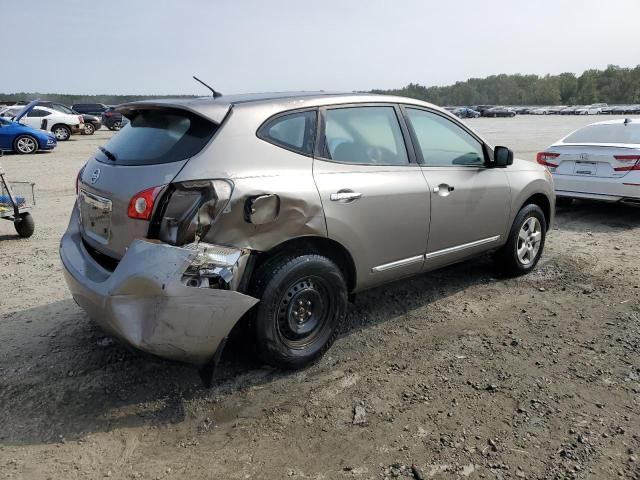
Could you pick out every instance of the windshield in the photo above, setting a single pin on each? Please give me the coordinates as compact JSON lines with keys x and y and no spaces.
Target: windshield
{"x":606,"y":133}
{"x":10,"y":112}
{"x":156,"y":136}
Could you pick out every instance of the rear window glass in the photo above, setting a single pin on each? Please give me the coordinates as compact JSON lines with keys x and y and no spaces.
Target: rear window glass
{"x":157,"y":136}
{"x":608,"y":133}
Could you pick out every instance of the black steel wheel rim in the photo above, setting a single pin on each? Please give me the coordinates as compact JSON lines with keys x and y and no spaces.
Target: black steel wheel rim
{"x":304,"y":312}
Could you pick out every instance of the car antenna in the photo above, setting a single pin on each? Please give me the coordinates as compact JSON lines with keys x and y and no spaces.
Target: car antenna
{"x":213,"y":92}
{"x":627,"y":121}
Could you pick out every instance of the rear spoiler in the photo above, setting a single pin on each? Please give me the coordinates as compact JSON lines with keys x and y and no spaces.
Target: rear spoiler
{"x":211,"y":109}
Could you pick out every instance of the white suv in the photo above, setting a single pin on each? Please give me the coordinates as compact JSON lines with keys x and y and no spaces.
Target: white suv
{"x":62,"y":125}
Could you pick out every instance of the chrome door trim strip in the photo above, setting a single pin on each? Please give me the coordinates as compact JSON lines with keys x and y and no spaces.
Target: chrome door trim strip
{"x":464,"y":246}
{"x":398,"y":263}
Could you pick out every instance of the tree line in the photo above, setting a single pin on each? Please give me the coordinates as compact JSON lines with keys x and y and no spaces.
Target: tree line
{"x":614,"y":85}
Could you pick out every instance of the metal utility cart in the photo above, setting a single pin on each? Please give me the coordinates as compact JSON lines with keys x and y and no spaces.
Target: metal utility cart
{"x":16,"y":200}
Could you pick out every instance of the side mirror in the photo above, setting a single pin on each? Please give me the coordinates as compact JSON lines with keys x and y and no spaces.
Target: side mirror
{"x":502,"y":157}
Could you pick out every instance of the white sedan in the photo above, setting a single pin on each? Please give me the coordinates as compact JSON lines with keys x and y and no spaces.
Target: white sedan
{"x":62,"y":125}
{"x":598,"y":162}
{"x":539,"y":111}
{"x":595,"y":109}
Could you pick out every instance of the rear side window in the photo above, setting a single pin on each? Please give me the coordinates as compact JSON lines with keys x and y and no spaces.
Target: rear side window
{"x":61,"y":108}
{"x":37,"y":112}
{"x":364,"y":135}
{"x":156,"y":136}
{"x":293,"y":131}
{"x":607,"y":133}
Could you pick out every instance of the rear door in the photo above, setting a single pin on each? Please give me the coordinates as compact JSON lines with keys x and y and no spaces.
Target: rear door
{"x":470,"y":203}
{"x":148,"y":153}
{"x":35,"y":118}
{"x":374,"y":196}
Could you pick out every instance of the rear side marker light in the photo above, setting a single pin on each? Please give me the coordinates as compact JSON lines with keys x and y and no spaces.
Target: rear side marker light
{"x":543,"y":159}
{"x":141,"y":205}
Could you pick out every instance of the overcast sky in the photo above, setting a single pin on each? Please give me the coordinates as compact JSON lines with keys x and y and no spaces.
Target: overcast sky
{"x":154,"y":46}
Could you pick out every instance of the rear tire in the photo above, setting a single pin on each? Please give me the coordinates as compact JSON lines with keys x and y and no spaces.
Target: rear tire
{"x":25,"y":144}
{"x":62,"y":132}
{"x":525,"y":244}
{"x":89,"y":129}
{"x":303,"y":303}
{"x":26,"y":226}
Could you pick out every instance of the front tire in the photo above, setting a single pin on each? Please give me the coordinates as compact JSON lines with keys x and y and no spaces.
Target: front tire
{"x":61,"y":132}
{"x":26,"y":226}
{"x":303,"y":302}
{"x":25,"y":144}
{"x":526,"y":241}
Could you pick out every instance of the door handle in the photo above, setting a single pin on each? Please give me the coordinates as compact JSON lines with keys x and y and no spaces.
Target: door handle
{"x":342,"y":196}
{"x":444,"y":188}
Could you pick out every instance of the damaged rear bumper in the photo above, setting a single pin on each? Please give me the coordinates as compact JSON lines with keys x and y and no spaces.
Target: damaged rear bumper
{"x":145,"y":301}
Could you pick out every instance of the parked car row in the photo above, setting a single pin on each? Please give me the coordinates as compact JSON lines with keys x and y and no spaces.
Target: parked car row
{"x":38,"y":125}
{"x":62,"y":125}
{"x":512,"y":111}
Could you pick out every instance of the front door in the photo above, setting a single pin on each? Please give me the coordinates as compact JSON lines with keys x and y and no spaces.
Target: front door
{"x":375,"y":198}
{"x":470,"y":202}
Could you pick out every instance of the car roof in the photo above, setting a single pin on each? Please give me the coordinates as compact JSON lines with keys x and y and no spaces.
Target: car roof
{"x":617,"y":120}
{"x":216,"y":108}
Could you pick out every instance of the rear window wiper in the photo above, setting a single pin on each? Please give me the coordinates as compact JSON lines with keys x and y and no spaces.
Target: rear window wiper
{"x":108,"y":154}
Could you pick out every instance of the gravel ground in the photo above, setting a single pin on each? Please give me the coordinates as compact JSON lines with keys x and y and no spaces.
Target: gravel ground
{"x":459,"y":372}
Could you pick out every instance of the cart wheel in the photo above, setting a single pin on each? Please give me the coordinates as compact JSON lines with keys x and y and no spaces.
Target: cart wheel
{"x":25,"y":226}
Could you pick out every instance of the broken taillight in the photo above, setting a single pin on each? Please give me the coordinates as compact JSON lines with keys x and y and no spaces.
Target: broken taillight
{"x":189,"y":209}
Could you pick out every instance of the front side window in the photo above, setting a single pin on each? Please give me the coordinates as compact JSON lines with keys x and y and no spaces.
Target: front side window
{"x":364,"y":135}
{"x":442,"y":142}
{"x":294,"y":131}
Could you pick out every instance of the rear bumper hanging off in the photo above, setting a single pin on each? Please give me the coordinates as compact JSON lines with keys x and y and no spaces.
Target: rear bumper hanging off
{"x":145,"y":301}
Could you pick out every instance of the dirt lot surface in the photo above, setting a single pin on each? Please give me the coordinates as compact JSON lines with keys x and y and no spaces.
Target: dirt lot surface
{"x":461,"y":372}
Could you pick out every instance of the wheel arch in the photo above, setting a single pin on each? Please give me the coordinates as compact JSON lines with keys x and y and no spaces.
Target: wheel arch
{"x":541,"y":200}
{"x":324,"y":246}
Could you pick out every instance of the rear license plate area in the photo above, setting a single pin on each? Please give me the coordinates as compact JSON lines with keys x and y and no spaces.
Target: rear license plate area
{"x":95,"y":216}
{"x":585,"y":168}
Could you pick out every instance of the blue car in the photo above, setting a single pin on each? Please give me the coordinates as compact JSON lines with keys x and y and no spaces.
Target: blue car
{"x":21,"y":138}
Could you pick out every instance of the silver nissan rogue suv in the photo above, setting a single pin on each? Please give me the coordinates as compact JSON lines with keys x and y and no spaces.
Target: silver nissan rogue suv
{"x":279,"y":207}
